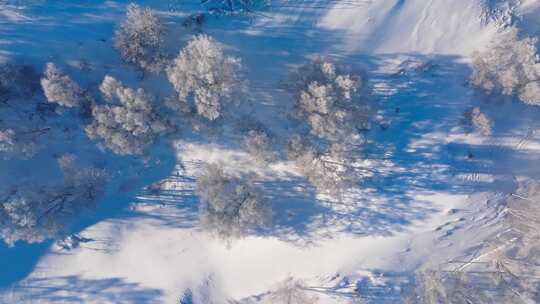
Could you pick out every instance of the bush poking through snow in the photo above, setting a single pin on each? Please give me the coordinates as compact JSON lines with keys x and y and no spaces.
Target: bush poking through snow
{"x":139,"y":38}
{"x":129,"y":123}
{"x":259,"y":144}
{"x":35,"y":213}
{"x":291,"y":291}
{"x":229,"y":206}
{"x":18,"y":144}
{"x":475,"y":120}
{"x":60,"y":88}
{"x":329,"y":100}
{"x":204,"y":77}
{"x":510,"y":66}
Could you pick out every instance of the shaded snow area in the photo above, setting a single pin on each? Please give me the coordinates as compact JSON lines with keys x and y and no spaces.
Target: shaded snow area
{"x":441,"y":166}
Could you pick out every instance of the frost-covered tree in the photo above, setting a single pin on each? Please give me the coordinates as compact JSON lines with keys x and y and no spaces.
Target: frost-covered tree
{"x":34,"y":213}
{"x":330,"y":169}
{"x":509,"y":66}
{"x":129,"y":123}
{"x":475,"y":120}
{"x":204,"y":77}
{"x":330,"y":100}
{"x":230,"y":206}
{"x":139,"y":38}
{"x":61,"y":89}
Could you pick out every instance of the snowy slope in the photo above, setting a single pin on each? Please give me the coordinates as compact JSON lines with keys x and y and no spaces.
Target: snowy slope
{"x":427,"y":203}
{"x":418,"y":26}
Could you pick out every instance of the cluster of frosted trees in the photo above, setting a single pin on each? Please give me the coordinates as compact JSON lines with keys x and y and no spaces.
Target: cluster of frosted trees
{"x":207,"y":84}
{"x":329,"y":105}
{"x":36,"y":207}
{"x":332,"y":102}
{"x":510,"y":66}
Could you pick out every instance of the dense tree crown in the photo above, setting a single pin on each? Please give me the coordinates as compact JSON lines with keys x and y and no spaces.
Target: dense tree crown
{"x":329,"y":100}
{"x":129,"y":122}
{"x":139,"y":38}
{"x":205,"y":77}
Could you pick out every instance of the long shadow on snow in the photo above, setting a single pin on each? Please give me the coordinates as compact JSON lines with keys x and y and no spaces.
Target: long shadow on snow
{"x":419,"y":160}
{"x":386,"y":202}
{"x":73,"y":289}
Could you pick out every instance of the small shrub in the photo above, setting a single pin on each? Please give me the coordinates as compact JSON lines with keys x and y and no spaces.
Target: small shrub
{"x":229,"y":206}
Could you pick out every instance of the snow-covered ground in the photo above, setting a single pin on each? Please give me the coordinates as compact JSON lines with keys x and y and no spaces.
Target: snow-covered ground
{"x":429,"y":199}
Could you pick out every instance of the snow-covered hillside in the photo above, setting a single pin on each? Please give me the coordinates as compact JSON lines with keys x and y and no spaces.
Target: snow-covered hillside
{"x":431,"y":194}
{"x":427,"y":27}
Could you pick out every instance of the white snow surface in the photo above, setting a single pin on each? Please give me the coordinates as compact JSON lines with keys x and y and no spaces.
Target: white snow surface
{"x":425,"y":204}
{"x":433,"y":26}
